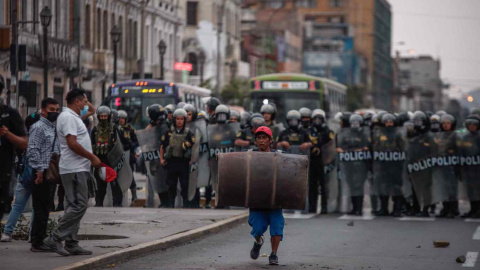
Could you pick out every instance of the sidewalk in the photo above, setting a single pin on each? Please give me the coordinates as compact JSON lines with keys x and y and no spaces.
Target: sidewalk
{"x":134,"y":226}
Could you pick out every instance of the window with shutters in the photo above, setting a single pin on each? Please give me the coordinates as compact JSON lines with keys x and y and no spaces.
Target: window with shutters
{"x":192,"y":13}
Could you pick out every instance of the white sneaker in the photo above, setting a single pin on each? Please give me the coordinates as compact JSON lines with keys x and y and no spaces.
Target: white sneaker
{"x":6,"y":238}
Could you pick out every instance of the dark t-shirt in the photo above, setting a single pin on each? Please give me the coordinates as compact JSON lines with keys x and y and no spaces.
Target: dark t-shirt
{"x":13,"y":121}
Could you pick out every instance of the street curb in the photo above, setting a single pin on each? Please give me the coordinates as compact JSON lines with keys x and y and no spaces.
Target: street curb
{"x":164,"y":243}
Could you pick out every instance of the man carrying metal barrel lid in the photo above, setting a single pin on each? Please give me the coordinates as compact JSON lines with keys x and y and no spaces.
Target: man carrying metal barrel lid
{"x":260,"y":219}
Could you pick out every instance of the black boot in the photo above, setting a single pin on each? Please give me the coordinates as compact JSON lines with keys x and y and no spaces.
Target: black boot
{"x":453,"y":210}
{"x":475,"y":210}
{"x":359,"y":206}
{"x":163,"y":199}
{"x":424,"y":212}
{"x":354,"y":206}
{"x":397,"y":206}
{"x":374,"y":203}
{"x":383,"y":207}
{"x":445,"y":210}
{"x":134,"y":194}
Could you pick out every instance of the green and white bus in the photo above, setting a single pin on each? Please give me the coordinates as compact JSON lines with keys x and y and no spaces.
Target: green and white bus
{"x":292,"y":91}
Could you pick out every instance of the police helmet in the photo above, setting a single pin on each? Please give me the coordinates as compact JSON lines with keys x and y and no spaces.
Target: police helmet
{"x":305,"y":112}
{"x":338,"y":117}
{"x":222,"y":113}
{"x":235,"y":114}
{"x":181,"y":104}
{"x":155,"y":112}
{"x":345,"y":120}
{"x":473,"y":119}
{"x":245,"y":119}
{"x":402,"y":118}
{"x":269,"y":108}
{"x":448,"y":118}
{"x":318,"y":113}
{"x":170,"y":108}
{"x":192,"y":109}
{"x":377,"y":119}
{"x":420,"y":121}
{"x":257,"y":122}
{"x":318,"y":118}
{"x":475,"y":111}
{"x":255,"y":115}
{"x":429,"y":113}
{"x":388,"y":117}
{"x":180,"y":113}
{"x":355,"y":121}
{"x":441,"y":113}
{"x":434,"y":118}
{"x":122,"y":114}
{"x":211,"y":102}
{"x":293,"y":118}
{"x":104,"y":110}
{"x":114,"y":114}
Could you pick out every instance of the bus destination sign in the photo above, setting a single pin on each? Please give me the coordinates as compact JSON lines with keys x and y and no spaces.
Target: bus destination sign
{"x":286,"y":85}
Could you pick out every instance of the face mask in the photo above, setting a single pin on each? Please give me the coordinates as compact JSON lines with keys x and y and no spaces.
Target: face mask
{"x":52,"y":116}
{"x":293,"y":123}
{"x":221,"y":117}
{"x":84,"y":111}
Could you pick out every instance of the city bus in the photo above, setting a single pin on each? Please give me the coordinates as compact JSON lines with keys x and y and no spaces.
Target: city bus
{"x":136,"y":95}
{"x":292,"y":91}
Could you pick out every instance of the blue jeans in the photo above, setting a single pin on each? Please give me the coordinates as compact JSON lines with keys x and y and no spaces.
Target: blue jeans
{"x":21,"y":198}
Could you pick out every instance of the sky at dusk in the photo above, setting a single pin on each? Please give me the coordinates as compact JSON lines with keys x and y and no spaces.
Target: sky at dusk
{"x":445,"y":29}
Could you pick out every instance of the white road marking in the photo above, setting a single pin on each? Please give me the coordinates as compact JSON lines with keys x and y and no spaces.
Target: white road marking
{"x":365,"y":217}
{"x":417,"y":219}
{"x":471,"y":259}
{"x":476,"y":235}
{"x":472,"y":220}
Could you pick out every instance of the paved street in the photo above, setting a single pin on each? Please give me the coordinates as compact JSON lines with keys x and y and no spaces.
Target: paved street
{"x":328,"y":242}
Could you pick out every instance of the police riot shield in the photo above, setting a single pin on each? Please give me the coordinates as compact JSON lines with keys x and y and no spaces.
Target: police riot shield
{"x":119,"y":160}
{"x":149,"y":142}
{"x":329,"y":153}
{"x":469,"y":148}
{"x":420,"y":173}
{"x":388,"y":147}
{"x":444,"y":176}
{"x":354,"y":159}
{"x":203,"y":168}
{"x":221,"y":139}
{"x":193,"y":176}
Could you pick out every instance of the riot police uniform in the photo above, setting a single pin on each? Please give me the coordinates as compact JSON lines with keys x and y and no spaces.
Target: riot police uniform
{"x":129,"y":140}
{"x":294,"y":134}
{"x":170,"y":108}
{"x":247,"y":134}
{"x":319,"y":135}
{"x":306,"y":114}
{"x":212,"y":104}
{"x":176,"y":150}
{"x":271,"y":110}
{"x":104,"y":138}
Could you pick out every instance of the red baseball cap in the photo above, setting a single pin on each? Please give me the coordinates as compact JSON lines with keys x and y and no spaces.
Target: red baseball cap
{"x":106,"y":173}
{"x":265,"y":130}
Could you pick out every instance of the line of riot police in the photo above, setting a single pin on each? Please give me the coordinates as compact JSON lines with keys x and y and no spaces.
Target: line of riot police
{"x":415,"y":159}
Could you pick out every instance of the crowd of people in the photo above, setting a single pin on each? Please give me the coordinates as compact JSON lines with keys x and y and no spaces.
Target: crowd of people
{"x":413,"y":159}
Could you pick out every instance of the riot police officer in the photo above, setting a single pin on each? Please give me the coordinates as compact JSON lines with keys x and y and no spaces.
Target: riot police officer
{"x":306,"y":114}
{"x":294,"y":134}
{"x":114,"y":116}
{"x":435,"y":123}
{"x":244,"y":119}
{"x":170,"y":108}
{"x":104,"y":138}
{"x":234,"y":116}
{"x":212,"y":103}
{"x":175,"y":153}
{"x":469,"y":146}
{"x":319,"y":135}
{"x":351,"y":141}
{"x":269,"y":112}
{"x":129,"y":140}
{"x":246,"y":137}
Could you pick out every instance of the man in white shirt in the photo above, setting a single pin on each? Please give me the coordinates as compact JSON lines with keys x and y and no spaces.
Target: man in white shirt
{"x":75,"y":162}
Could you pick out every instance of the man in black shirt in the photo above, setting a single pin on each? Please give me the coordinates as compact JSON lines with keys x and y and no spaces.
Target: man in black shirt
{"x":12,"y":136}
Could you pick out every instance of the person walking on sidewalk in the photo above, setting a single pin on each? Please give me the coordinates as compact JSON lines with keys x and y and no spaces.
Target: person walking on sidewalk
{"x":42,"y":142}
{"x":260,"y":219}
{"x":75,"y":161}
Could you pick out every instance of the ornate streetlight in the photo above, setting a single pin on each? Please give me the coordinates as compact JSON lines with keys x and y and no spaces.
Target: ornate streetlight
{"x":115,"y":33}
{"x":162,"y":48}
{"x":46,"y":19}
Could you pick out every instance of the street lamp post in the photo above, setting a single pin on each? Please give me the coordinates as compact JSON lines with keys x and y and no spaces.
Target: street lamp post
{"x":233,"y":70}
{"x":115,"y":33}
{"x":201,"y":61}
{"x":46,"y":18}
{"x":162,"y":48}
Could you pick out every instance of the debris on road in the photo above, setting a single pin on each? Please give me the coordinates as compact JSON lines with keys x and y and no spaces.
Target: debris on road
{"x":264,"y":255}
{"x":350,"y":223}
{"x":461,"y":259}
{"x":441,"y":244}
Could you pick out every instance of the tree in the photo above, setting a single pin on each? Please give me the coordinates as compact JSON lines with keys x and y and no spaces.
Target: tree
{"x":355,"y":96}
{"x":234,"y":92}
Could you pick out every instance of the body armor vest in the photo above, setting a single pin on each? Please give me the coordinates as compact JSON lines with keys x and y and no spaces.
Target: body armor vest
{"x":175,"y":146}
{"x":104,"y":140}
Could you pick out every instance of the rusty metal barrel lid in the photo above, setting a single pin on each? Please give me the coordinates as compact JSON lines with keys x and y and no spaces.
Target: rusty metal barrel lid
{"x":268,"y":180}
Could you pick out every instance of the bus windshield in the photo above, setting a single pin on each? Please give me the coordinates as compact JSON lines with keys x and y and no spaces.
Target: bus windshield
{"x":136,"y":107}
{"x":285,"y":101}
